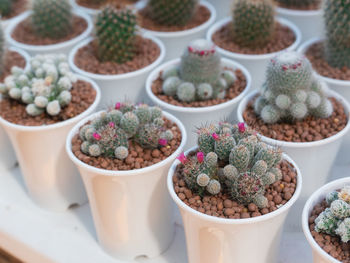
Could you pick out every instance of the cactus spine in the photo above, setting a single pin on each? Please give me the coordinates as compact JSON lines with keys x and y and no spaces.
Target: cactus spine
{"x":115,"y":34}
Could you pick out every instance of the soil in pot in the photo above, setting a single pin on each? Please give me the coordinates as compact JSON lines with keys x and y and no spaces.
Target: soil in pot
{"x":330,"y":244}
{"x":146,"y":52}
{"x":221,"y":205}
{"x":24,"y":33}
{"x":18,"y":7}
{"x":201,"y":15}
{"x":315,"y":54}
{"x":12,"y":58}
{"x":311,"y":6}
{"x":83,"y":95}
{"x":95,"y":5}
{"x":308,"y":130}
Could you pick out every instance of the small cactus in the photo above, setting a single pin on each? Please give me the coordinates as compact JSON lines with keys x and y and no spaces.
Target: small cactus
{"x":171,"y":12}
{"x":292,"y":91}
{"x":337,"y":22}
{"x":200,"y":75}
{"x":115,"y":35}
{"x":108,"y":134}
{"x":52,"y":18}
{"x":45,"y":87}
{"x":335,"y":220}
{"x":5,"y":7}
{"x":250,"y":164}
{"x":253,"y":23}
{"x":299,"y":3}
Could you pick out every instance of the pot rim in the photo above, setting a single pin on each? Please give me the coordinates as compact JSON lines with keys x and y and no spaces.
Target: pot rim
{"x":187,"y":32}
{"x":23,"y":54}
{"x":132,"y":74}
{"x":250,"y":57}
{"x":310,"y":203}
{"x":140,"y":171}
{"x":304,"y":47}
{"x":226,"y":221}
{"x":58,"y":125}
{"x":242,"y":105}
{"x":47,"y":48}
{"x":296,"y":12}
{"x":154,"y":75}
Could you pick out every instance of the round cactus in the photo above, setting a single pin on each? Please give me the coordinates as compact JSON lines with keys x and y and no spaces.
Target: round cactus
{"x":130,"y":123}
{"x":213,"y":187}
{"x":5,"y":7}
{"x":186,"y":92}
{"x":240,"y":157}
{"x":203,"y":179}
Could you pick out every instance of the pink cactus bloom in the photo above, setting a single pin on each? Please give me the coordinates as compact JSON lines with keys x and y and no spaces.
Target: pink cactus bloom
{"x":215,"y":136}
{"x":163,"y":142}
{"x":241,"y":127}
{"x":111,"y":124}
{"x":118,"y":105}
{"x":182,"y":158}
{"x":97,"y":136}
{"x":200,"y":157}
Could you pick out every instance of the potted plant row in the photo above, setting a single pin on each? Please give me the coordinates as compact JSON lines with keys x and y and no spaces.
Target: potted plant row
{"x":38,"y":107}
{"x":123,"y":155}
{"x":50,"y":26}
{"x":253,"y":35}
{"x":200,"y":86}
{"x":234,"y":193}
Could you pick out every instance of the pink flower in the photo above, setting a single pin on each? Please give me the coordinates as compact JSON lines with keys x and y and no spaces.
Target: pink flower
{"x":118,"y":105}
{"x":163,"y":142}
{"x":215,"y":136}
{"x":200,"y":157}
{"x":182,"y":158}
{"x":97,"y":136}
{"x":111,"y":124}
{"x":190,"y":49}
{"x":241,"y":127}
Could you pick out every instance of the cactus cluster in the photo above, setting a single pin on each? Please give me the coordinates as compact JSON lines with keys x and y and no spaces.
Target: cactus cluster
{"x":232,"y":157}
{"x":299,"y":3}
{"x":5,"y":7}
{"x":253,"y":23}
{"x":292,"y":91}
{"x":171,"y":12}
{"x":45,"y":87}
{"x":52,"y":18}
{"x":335,"y":220}
{"x":337,"y":22}
{"x":108,"y":134}
{"x":199,"y":76}
{"x":115,"y":34}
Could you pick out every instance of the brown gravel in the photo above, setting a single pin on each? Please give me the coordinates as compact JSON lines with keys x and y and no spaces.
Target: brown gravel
{"x":308,"y":130}
{"x":201,"y":16}
{"x":330,"y":244}
{"x":232,"y":92}
{"x":83,"y":95}
{"x":147,"y":52}
{"x":18,"y":7}
{"x":12,"y":59}
{"x":315,"y":54}
{"x":24,"y":33}
{"x":222,"y":206}
{"x":138,"y":157}
{"x":283,"y":38}
{"x":310,"y":7}
{"x":93,"y":5}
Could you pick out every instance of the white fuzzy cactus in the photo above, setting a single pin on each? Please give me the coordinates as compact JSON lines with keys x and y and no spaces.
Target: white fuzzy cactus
{"x":45,"y":87}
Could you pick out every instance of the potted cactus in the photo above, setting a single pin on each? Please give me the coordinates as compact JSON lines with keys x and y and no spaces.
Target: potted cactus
{"x":330,"y":56}
{"x":37,"y":109}
{"x":307,"y":15}
{"x":10,"y":10}
{"x":123,"y":155}
{"x":253,"y":36}
{"x":51,"y":26}
{"x":199,"y":85}
{"x":225,"y":185}
{"x":176,"y":22}
{"x":326,"y":222}
{"x":296,"y":111}
{"x":118,"y":58}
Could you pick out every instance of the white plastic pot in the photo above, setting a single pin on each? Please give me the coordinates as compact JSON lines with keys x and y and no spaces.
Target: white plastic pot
{"x":7,"y":154}
{"x":256,"y":64}
{"x":192,"y":118}
{"x":212,"y":239}
{"x":315,"y":159}
{"x":176,"y":42}
{"x":130,"y":86}
{"x":223,"y":8}
{"x":51,"y":178}
{"x":64,"y":47}
{"x":6,"y":22}
{"x":343,"y":88}
{"x":132,"y":210}
{"x":310,"y":22}
{"x":319,"y":255}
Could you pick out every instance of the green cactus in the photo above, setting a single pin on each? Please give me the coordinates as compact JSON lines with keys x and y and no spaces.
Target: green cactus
{"x":52,"y":18}
{"x":171,"y":12}
{"x":5,"y":7}
{"x":253,"y":23}
{"x":2,"y":52}
{"x":299,"y":3}
{"x":291,"y":91}
{"x":337,"y":22}
{"x":116,"y":35}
